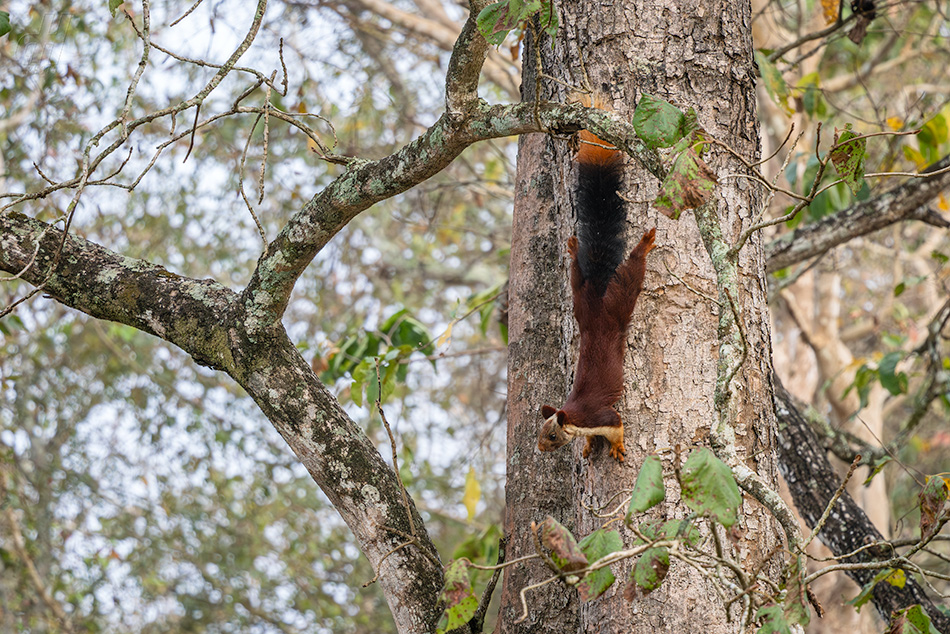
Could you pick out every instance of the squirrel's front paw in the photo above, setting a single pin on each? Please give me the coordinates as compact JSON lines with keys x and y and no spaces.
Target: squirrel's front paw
{"x":617,"y":451}
{"x":588,"y":447}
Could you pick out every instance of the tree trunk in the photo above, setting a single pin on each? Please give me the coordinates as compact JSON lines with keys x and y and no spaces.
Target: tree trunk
{"x":699,"y":56}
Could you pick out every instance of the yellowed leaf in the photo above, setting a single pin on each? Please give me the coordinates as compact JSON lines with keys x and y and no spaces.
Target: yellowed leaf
{"x":942,"y":203}
{"x":897,"y":578}
{"x":895,"y":123}
{"x":446,"y":337}
{"x":829,"y":9}
{"x":473,"y":493}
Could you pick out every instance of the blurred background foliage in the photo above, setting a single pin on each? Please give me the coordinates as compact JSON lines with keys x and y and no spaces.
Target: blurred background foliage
{"x":150,"y":494}
{"x":140,"y":492}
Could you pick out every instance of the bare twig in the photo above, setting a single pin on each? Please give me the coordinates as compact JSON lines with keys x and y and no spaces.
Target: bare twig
{"x":831,"y":504}
{"x":392,"y":442}
{"x":186,"y":13}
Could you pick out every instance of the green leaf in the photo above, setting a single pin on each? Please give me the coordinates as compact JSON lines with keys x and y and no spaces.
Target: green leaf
{"x":405,"y":330}
{"x":863,"y":379}
{"x":565,"y":552}
{"x":912,"y":620}
{"x":598,"y":544}
{"x":460,"y":601}
{"x":774,"y":83}
{"x":496,"y":20}
{"x":658,"y":123}
{"x":4,"y":23}
{"x":649,"y":490}
{"x":10,"y":323}
{"x":877,"y":468}
{"x":812,"y":99}
{"x":709,"y":487}
{"x":932,"y":499}
{"x":114,"y":5}
{"x":867,"y":591}
{"x":648,"y":573}
{"x":813,"y":102}
{"x":688,"y":185}
{"x":486,"y":307}
{"x":914,"y":156}
{"x":388,"y":379}
{"x":492,"y":21}
{"x":931,"y":136}
{"x":893,"y":383}
{"x":352,"y":352}
{"x":773,"y":620}
{"x":360,"y":375}
{"x":848,"y":157}
{"x":548,"y":18}
{"x":693,"y":134}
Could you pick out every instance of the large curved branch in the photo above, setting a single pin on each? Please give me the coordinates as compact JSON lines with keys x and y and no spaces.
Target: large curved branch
{"x":186,"y":312}
{"x":465,"y":65}
{"x":812,"y":482}
{"x":907,"y":201}
{"x":205,"y":319}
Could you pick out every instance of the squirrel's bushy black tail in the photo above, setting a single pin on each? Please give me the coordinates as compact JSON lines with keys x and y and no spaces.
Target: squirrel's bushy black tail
{"x":600,"y":212}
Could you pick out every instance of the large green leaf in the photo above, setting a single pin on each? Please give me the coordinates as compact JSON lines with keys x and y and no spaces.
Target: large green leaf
{"x":649,"y":490}
{"x":658,"y":123}
{"x":911,"y":620}
{"x":709,"y":487}
{"x":648,"y":573}
{"x":598,"y":544}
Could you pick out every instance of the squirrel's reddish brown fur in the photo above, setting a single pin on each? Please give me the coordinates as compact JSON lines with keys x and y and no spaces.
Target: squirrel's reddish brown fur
{"x":605,"y":293}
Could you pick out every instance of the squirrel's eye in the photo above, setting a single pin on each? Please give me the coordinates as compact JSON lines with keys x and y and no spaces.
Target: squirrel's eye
{"x":552,"y":437}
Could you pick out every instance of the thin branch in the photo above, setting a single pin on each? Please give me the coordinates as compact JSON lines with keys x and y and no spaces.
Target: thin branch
{"x":392,"y":442}
{"x":831,"y":504}
{"x":143,"y":61}
{"x":186,"y":13}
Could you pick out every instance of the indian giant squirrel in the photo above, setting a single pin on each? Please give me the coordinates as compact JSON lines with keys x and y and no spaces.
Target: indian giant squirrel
{"x":605,"y":288}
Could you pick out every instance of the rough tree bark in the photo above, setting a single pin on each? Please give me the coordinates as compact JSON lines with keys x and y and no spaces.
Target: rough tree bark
{"x":698,"y":55}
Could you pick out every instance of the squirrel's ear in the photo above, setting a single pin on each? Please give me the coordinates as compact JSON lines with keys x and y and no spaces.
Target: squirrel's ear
{"x":547,"y":411}
{"x":561,"y":417}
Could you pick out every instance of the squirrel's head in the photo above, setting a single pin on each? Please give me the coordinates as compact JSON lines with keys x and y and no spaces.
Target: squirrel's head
{"x":553,"y":433}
